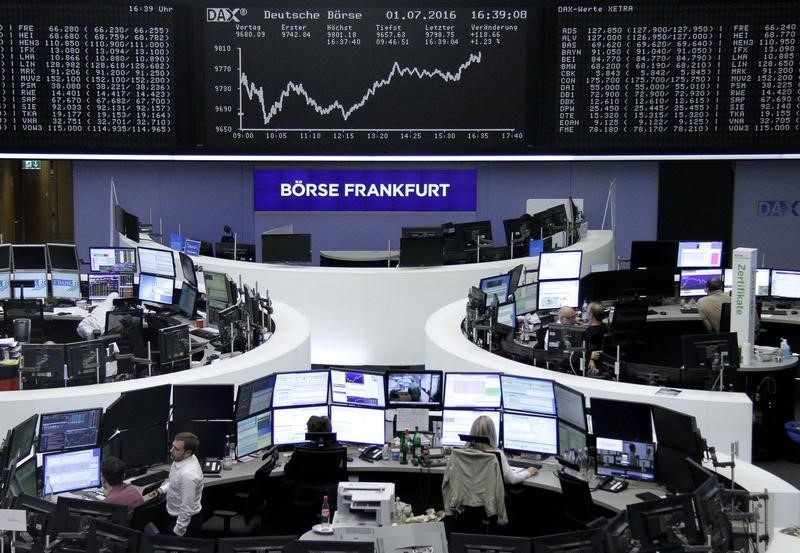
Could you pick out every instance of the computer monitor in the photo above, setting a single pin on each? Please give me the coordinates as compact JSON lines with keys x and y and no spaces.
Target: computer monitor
{"x":677,"y":430}
{"x":467,"y":234}
{"x":528,"y":395}
{"x":421,"y":232}
{"x":192,"y":247}
{"x":570,"y":405}
{"x":621,"y":420}
{"x":361,"y":388}
{"x":44,"y":364}
{"x":22,"y":479}
{"x":479,"y":543}
{"x":156,"y":289}
{"x":157,"y":399}
{"x":649,"y":254}
{"x":553,"y":294}
{"x":358,"y":425}
{"x":527,"y":298}
{"x":62,"y":257}
{"x":711,"y":517}
{"x":520,"y":231}
{"x":101,"y":285}
{"x":506,"y":318}
{"x":472,"y":390}
{"x":425,"y":251}
{"x":112,"y":260}
{"x":560,"y":265}
{"x":693,"y":281}
{"x":289,"y":425}
{"x":582,"y":541}
{"x":39,"y":514}
{"x":564,"y":337}
{"x":785,"y":284}
{"x":704,"y":350}
{"x":254,"y":397}
{"x":69,"y":430}
{"x":73,"y":514}
{"x":157,"y":262}
{"x":143,"y":446}
{"x":656,"y":523}
{"x":212,"y":435}
{"x":130,"y":226}
{"x":260,"y":544}
{"x":414,"y":389}
{"x":530,"y":433}
{"x":5,"y":257}
{"x":459,"y":421}
{"x":652,"y":375}
{"x":29,"y":257}
{"x":217,"y":287}
{"x":159,"y":543}
{"x":496,"y":286}
{"x":174,"y":348}
{"x":628,"y":459}
{"x":188,"y":300}
{"x":253,"y":434}
{"x":300,"y":388}
{"x":202,"y":402}
{"x":699,"y":254}
{"x":5,"y":285}
{"x":242,"y":251}
{"x":74,"y":469}
{"x":86,"y":362}
{"x":65,"y":285}
{"x":617,"y":536}
{"x":106,"y":536}
{"x":570,"y":438}
{"x":36,"y":292}
{"x":187,"y":269}
{"x":21,"y":441}
{"x":762,"y":281}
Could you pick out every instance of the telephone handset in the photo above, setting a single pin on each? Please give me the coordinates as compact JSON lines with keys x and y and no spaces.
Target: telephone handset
{"x":373,"y":453}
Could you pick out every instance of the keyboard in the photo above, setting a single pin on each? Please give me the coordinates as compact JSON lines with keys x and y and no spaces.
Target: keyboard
{"x":523,"y":463}
{"x":689,"y":310}
{"x":151,"y":478}
{"x":773,"y":313}
{"x":204,"y":334}
{"x":652,"y":312}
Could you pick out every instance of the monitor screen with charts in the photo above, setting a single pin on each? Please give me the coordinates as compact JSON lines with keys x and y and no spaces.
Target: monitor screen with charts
{"x":570,"y":406}
{"x":530,"y":395}
{"x":102,"y":284}
{"x":553,"y":294}
{"x":289,"y":425}
{"x":358,"y":425}
{"x":72,"y":470}
{"x":530,"y":433}
{"x":157,"y":262}
{"x":357,"y":388}
{"x":785,"y":284}
{"x":632,"y":460}
{"x":253,"y":434}
{"x":762,"y":281}
{"x":300,"y":388}
{"x":561,"y":265}
{"x":472,"y":390}
{"x":699,"y":254}
{"x":254,"y":397}
{"x":112,"y":260}
{"x":693,"y":281}
{"x":69,"y":430}
{"x":526,"y":297}
{"x":459,"y":421}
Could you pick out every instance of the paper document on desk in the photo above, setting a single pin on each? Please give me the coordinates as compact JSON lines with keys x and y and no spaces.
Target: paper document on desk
{"x":412,"y":418}
{"x":13,"y":520}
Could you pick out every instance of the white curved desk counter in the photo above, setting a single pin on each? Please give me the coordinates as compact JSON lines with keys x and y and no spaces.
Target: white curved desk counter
{"x":286,"y":350}
{"x":376,"y":315}
{"x":723,"y":417}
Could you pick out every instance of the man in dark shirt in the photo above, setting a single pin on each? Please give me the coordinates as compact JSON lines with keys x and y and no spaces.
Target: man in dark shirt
{"x":593,"y":337}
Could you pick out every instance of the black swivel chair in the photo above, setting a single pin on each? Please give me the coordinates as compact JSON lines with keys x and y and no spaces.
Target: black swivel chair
{"x":725,"y":317}
{"x":24,"y":309}
{"x":628,"y":328}
{"x":579,"y":508}
{"x":315,"y":472}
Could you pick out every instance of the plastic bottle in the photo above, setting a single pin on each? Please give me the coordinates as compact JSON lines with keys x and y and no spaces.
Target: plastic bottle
{"x":232,"y":448}
{"x":416,"y":443}
{"x":786,"y":352}
{"x":403,"y":451}
{"x":227,"y":460}
{"x":386,"y":453}
{"x":325,"y":512}
{"x":585,"y":311}
{"x":48,"y":489}
{"x":581,"y":462}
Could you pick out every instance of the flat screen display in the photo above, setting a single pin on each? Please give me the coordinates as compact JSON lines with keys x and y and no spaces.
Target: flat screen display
{"x":570,"y":438}
{"x":289,"y":425}
{"x":553,"y":294}
{"x":29,"y":257}
{"x":472,"y":390}
{"x":527,"y":298}
{"x":157,"y":262}
{"x":693,"y":281}
{"x":357,"y":388}
{"x":530,"y":433}
{"x":72,"y":470}
{"x":65,"y":285}
{"x":69,"y":430}
{"x":785,"y":284}
{"x":202,"y":402}
{"x":254,"y":397}
{"x":5,"y":285}
{"x":530,"y":395}
{"x":253,"y":434}
{"x":156,"y":289}
{"x":628,"y":459}
{"x":459,"y":421}
{"x":39,"y":281}
{"x":762,"y":281}
{"x":507,"y":315}
{"x":187,"y":268}
{"x":300,"y":388}
{"x":621,"y":420}
{"x":217,"y":286}
{"x":102,"y":284}
{"x":496,"y":286}
{"x":699,"y":254}
{"x":560,"y":265}
{"x":414,"y":389}
{"x":5,"y":257}
{"x":570,"y":406}
{"x":358,"y":425}
{"x":112,"y":260}
{"x":63,"y":257}
{"x":188,"y":299}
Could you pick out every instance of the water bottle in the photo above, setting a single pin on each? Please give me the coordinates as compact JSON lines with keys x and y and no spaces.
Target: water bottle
{"x":48,"y":489}
{"x":585,"y":311}
{"x":582,"y":460}
{"x":416,"y":442}
{"x":386,"y":453}
{"x":325,"y":513}
{"x":403,"y":451}
{"x":227,"y":460}
{"x":786,"y":352}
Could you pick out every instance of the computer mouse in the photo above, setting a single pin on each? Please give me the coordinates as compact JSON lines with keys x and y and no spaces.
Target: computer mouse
{"x":794,"y":312}
{"x":62,"y":313}
{"x":662,"y":312}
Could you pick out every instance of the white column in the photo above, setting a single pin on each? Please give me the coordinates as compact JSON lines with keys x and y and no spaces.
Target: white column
{"x":743,"y":294}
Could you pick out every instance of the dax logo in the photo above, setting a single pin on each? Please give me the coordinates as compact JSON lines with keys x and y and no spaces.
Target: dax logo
{"x":224,"y":15}
{"x":778,"y":208}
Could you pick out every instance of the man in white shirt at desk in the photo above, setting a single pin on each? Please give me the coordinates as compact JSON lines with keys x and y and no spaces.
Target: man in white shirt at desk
{"x":184,"y":488}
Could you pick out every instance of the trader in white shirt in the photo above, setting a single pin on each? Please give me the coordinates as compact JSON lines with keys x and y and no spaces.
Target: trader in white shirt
{"x":184,"y":488}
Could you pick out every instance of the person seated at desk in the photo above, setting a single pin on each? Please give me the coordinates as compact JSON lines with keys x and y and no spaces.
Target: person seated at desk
{"x":314,"y":425}
{"x":710,"y":307}
{"x":118,"y":492}
{"x":568,"y":316}
{"x":484,"y":426}
{"x":593,"y":337}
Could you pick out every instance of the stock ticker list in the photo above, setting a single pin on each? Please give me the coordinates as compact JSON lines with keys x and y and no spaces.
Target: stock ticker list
{"x":674,"y":76}
{"x":378,"y":79}
{"x":92,"y":75}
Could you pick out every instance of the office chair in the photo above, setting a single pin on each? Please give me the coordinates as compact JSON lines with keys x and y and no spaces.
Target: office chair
{"x":473,"y":491}
{"x":25,"y":309}
{"x":579,"y":508}
{"x":318,"y":471}
{"x":725,"y":317}
{"x":629,"y":326}
{"x":149,"y":516}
